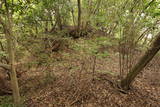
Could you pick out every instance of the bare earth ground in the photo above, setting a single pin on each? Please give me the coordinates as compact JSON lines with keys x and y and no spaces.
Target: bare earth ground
{"x":74,"y":82}
{"x":78,"y":79}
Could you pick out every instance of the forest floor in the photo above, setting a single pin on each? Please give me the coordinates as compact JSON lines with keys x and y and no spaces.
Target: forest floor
{"x":82,"y":77}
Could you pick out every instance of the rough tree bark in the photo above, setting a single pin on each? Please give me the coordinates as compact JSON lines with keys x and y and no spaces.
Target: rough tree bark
{"x":126,"y":82}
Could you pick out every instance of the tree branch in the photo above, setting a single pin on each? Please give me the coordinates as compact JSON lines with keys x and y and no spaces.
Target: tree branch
{"x":150,"y":3}
{"x":3,"y":25}
{"x":1,"y":21}
{"x":5,"y":66}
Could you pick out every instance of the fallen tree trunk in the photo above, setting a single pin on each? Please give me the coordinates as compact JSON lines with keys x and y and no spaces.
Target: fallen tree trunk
{"x":126,"y":82}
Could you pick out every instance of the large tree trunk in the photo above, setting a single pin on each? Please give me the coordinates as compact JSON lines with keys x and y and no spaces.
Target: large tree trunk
{"x":126,"y":82}
{"x":9,"y":37}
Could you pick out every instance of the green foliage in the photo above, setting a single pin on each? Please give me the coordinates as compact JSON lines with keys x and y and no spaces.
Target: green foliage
{"x":103,"y":55}
{"x":103,"y":41}
{"x":3,"y":54}
{"x":31,"y":16}
{"x":92,"y":47}
{"x":6,"y":101}
{"x":154,"y":9}
{"x":35,"y":27}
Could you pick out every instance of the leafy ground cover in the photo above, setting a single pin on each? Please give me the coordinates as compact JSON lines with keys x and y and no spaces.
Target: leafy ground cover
{"x":85,"y":75}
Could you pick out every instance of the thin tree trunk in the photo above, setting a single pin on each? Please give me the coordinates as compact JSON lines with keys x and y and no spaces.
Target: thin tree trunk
{"x":126,"y":82}
{"x":97,"y":7}
{"x":72,"y":12}
{"x":73,"y":17}
{"x":46,"y":26}
{"x":58,"y":18}
{"x":92,"y":12}
{"x":50,"y":18}
{"x":79,"y":15}
{"x":9,"y":37}
{"x":13,"y":75}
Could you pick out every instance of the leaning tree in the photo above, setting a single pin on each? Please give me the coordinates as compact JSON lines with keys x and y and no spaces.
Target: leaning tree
{"x":144,"y":60}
